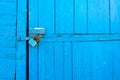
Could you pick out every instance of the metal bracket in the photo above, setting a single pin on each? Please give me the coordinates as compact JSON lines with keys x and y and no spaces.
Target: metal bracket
{"x":35,"y":34}
{"x":36,"y":31}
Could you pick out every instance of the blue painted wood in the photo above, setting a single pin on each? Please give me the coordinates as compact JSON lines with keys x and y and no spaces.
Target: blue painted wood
{"x":108,"y":60}
{"x":68,"y":63}
{"x":115,"y":16}
{"x":50,"y":61}
{"x":8,"y":30}
{"x":46,"y":14}
{"x":97,"y":64}
{"x":116,"y":59}
{"x":81,"y":40}
{"x":7,"y":20}
{"x":8,"y":5}
{"x":21,"y":46}
{"x":7,"y":41}
{"x":64,"y":16}
{"x":7,"y":68}
{"x":7,"y":0}
{"x":81,"y":61}
{"x":7,"y":12}
{"x":33,"y":63}
{"x":59,"y":61}
{"x":41,"y":59}
{"x":98,"y":16}
{"x":10,"y":54}
{"x":33,"y":13}
{"x":81,"y":16}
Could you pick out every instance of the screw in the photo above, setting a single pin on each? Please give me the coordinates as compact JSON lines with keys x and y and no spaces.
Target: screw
{"x":19,"y":39}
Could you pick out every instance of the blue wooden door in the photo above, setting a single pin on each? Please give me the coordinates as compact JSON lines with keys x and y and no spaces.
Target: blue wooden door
{"x":81,"y":41}
{"x":12,"y":52}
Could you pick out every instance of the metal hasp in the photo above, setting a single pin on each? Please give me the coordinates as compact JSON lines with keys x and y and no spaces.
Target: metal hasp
{"x":35,"y":35}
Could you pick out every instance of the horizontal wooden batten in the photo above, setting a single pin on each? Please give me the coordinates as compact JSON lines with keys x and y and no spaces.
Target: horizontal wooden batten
{"x":82,"y":38}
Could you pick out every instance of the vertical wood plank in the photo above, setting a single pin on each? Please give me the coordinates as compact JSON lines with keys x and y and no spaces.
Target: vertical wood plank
{"x":41,"y":58}
{"x":67,"y":61}
{"x":81,"y":16}
{"x":97,"y":67}
{"x":50,"y":57}
{"x":46,"y":15}
{"x":102,"y":61}
{"x":21,"y":46}
{"x":116,"y":60}
{"x":98,"y":16}
{"x":81,"y":61}
{"x":64,"y":16}
{"x":107,"y":60}
{"x":59,"y":61}
{"x":33,"y":13}
{"x":115,"y":16}
{"x":7,"y":69}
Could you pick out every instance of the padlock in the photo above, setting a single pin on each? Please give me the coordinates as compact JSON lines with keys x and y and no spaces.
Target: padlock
{"x":34,"y":41}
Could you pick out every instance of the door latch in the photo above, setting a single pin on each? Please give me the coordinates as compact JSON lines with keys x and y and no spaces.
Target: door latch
{"x":35,"y":35}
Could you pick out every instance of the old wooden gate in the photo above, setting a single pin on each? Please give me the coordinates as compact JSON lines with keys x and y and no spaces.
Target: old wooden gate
{"x":80,"y":39}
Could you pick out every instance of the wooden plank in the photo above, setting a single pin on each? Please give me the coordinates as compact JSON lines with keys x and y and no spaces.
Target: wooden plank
{"x":81,"y":16}
{"x":97,"y":66}
{"x":115,"y":47}
{"x":107,"y":61}
{"x":59,"y":61}
{"x":6,"y":41}
{"x":6,"y":78}
{"x":33,"y":14}
{"x":8,"y":30}
{"x":50,"y":59}
{"x":64,"y":16}
{"x":11,"y":12}
{"x":7,"y":0}
{"x":7,"y":53}
{"x":42,"y":68}
{"x":8,"y":8}
{"x":21,"y":46}
{"x":7,"y":20}
{"x":8,"y":5}
{"x":46,"y":15}
{"x":81,"y":38}
{"x":115,"y":16}
{"x":7,"y":69}
{"x":98,"y":16}
{"x":68,"y":61}
{"x":102,"y":61}
{"x":81,"y":61}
